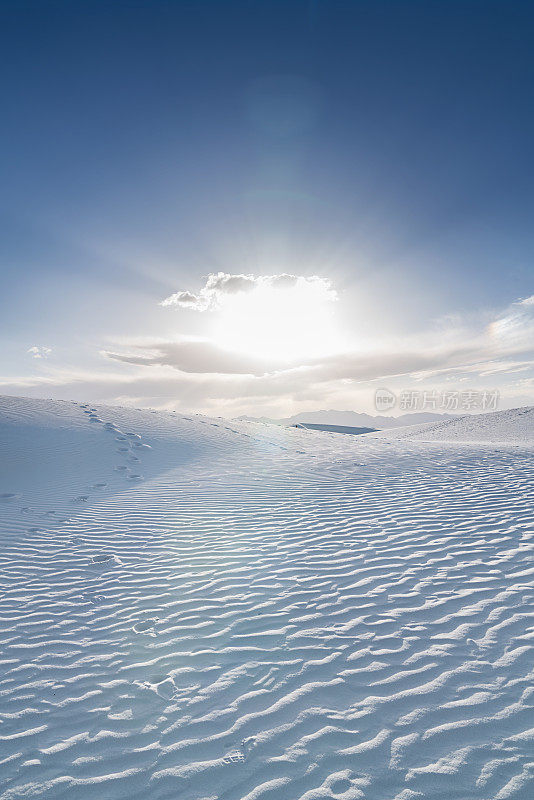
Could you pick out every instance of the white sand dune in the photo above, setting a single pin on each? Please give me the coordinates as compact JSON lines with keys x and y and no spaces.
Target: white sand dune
{"x":209,"y":610}
{"x":514,"y":425}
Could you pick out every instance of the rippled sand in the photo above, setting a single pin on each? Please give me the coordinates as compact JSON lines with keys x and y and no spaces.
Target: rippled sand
{"x":200,"y":609}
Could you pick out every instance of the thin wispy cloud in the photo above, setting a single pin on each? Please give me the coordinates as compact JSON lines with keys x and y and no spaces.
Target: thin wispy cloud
{"x":195,"y":357}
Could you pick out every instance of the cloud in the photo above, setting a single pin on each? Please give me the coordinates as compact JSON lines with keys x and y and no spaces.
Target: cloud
{"x":504,"y":346}
{"x":221,"y":284}
{"x":205,"y":357}
{"x":194,"y":357}
{"x":184,"y":300}
{"x":513,"y":330}
{"x":273,"y":394}
{"x":39,"y":351}
{"x":201,"y":375}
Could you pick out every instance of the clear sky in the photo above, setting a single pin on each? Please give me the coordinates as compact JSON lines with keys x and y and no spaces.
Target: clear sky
{"x":266,"y":207}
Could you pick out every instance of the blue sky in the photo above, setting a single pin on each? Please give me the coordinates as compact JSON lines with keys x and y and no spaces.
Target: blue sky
{"x":379,"y":152}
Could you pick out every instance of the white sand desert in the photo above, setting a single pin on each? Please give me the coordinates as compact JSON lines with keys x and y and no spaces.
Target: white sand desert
{"x":209,"y":610}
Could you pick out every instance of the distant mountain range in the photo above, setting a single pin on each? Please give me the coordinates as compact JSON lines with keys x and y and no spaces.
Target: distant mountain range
{"x":354,"y":420}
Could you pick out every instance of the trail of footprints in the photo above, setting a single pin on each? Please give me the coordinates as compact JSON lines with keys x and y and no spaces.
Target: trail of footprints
{"x":130,"y":447}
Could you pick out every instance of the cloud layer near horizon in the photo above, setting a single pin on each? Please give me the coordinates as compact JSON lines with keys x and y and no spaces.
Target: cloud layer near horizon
{"x":487,"y":349}
{"x":201,"y":375}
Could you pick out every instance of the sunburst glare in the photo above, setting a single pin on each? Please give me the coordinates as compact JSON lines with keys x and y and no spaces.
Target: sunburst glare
{"x":282,"y":323}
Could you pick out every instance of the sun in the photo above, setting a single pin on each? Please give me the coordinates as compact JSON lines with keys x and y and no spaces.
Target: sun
{"x":283,"y":324}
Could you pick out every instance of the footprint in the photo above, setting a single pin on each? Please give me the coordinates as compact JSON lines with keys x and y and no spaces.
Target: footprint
{"x":122,"y":449}
{"x":95,"y":599}
{"x":474,"y":647}
{"x":234,"y":758}
{"x":99,"y":486}
{"x":146,"y":625}
{"x":105,"y":559}
{"x":166,"y":688}
{"x":133,"y":458}
{"x":248,"y":743}
{"x":133,"y":435}
{"x":135,"y":477}
{"x":121,"y":468}
{"x":6,"y":497}
{"x":82,"y":498}
{"x":140,"y":446}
